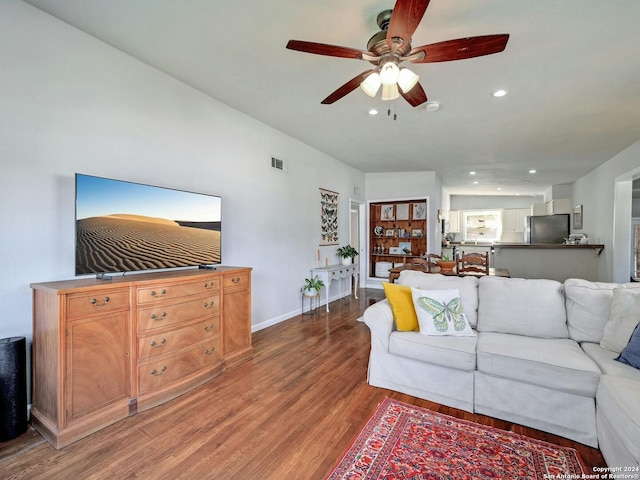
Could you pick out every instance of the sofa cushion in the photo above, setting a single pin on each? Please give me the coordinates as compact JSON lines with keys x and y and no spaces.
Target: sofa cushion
{"x":624,"y":315}
{"x":617,"y":400}
{"x":531,"y":307}
{"x":605,"y":359}
{"x":588,"y":305}
{"x":446,"y":351}
{"x":467,"y":286}
{"x":631,"y":353}
{"x":440,"y":312}
{"x":556,"y":363}
{"x":401,"y":301}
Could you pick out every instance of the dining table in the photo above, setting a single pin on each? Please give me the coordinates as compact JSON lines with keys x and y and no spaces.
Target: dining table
{"x":395,"y":272}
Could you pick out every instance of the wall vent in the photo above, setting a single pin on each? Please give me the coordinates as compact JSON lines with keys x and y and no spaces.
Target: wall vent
{"x":278,"y":164}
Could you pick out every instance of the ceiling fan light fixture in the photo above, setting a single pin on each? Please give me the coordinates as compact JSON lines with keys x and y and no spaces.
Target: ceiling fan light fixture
{"x":407,"y":79}
{"x":371,"y":84}
{"x":390,"y":92}
{"x":389,"y":73}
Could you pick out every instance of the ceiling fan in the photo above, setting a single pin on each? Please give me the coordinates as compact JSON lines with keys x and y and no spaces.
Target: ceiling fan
{"x":390,"y":47}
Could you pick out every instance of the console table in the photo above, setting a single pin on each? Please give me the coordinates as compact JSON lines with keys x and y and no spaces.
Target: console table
{"x":339,"y":272}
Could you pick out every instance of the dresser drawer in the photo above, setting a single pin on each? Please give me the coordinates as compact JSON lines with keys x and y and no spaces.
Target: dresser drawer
{"x":169,"y":291}
{"x":164,"y":315}
{"x":161,"y":372}
{"x":161,"y":343}
{"x":96,"y":303}
{"x":240,"y":279}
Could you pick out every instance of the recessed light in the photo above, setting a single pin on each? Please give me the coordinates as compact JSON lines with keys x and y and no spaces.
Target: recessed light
{"x":472,"y":173}
{"x":475,"y":182}
{"x":532,"y":171}
{"x":433,"y":106}
{"x":499,"y":93}
{"x":373,"y":111}
{"x":499,"y":188}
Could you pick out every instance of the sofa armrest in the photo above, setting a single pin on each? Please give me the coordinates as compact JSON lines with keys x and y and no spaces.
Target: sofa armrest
{"x":379,"y":318}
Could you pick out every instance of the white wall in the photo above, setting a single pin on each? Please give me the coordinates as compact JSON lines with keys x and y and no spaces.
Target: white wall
{"x":69,"y":103}
{"x":605,"y":194}
{"x":491,"y":202}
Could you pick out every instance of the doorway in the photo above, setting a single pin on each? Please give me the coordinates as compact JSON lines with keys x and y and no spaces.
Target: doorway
{"x":356,"y":234}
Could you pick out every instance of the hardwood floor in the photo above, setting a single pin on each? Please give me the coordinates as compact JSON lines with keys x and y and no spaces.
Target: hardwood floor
{"x":289,"y":413}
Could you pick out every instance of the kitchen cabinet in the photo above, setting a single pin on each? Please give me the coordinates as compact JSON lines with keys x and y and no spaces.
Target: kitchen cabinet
{"x":513,"y":219}
{"x":558,"y":205}
{"x":454,"y":221}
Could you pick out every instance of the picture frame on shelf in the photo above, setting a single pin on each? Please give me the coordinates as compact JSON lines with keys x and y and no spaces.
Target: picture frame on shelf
{"x":417,"y":233}
{"x":405,"y":248}
{"x":394,"y":251}
{"x":386,"y":212}
{"x":419,"y":211}
{"x":402,"y":211}
{"x":390,"y":232}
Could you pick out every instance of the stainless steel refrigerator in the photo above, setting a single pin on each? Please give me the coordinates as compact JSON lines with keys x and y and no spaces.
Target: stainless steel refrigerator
{"x":546,"y":228}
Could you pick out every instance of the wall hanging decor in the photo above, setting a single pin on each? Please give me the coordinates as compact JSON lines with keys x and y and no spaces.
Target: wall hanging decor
{"x":577,"y":217}
{"x":328,"y":217}
{"x":419,"y":211}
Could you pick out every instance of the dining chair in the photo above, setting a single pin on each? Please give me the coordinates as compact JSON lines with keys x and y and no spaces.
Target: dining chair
{"x":473,"y":262}
{"x":432,"y":262}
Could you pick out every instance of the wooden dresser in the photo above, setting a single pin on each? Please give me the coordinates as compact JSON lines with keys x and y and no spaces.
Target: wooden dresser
{"x":104,"y":350}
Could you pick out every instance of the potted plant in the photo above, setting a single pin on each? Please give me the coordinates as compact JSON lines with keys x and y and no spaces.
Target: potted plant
{"x":446,"y":264}
{"x":347,"y":253}
{"x":312,"y":286}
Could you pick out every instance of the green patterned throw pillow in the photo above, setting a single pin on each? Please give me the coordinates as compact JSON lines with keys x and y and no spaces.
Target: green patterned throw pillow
{"x":440,"y":312}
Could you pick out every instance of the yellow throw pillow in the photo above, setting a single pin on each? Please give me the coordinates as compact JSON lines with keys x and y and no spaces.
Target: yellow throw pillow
{"x":401,"y":302}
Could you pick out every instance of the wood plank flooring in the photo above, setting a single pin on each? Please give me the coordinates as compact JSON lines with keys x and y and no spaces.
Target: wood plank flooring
{"x":289,"y":413}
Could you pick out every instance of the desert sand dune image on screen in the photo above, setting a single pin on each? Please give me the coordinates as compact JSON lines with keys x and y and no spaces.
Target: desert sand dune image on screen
{"x":124,"y":243}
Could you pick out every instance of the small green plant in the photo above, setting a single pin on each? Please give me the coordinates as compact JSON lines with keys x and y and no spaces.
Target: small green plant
{"x":446,"y":258}
{"x":311,"y":284}
{"x":347,"y":252}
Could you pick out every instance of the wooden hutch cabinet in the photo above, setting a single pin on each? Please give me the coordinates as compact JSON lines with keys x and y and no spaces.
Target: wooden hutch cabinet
{"x":397,"y":232}
{"x":104,"y":350}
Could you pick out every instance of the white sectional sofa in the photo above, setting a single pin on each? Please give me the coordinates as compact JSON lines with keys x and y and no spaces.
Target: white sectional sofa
{"x":536,"y":357}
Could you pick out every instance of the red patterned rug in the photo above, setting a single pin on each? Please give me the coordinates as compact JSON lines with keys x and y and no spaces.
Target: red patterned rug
{"x":402,"y":441}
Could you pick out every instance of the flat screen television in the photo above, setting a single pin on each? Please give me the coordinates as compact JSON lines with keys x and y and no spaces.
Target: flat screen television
{"x":124,"y":227}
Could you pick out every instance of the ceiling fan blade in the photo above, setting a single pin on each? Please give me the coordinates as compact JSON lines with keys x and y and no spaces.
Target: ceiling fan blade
{"x":415,"y":96}
{"x":461,"y":48}
{"x":405,"y":19}
{"x":324,"y":49}
{"x":347,"y":88}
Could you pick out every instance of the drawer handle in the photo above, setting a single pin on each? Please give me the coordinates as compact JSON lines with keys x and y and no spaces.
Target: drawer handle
{"x":104,"y":302}
{"x":162,"y":316}
{"x":156,"y":373}
{"x":210,"y":304}
{"x":235,"y":280}
{"x":210,"y":285}
{"x":209,"y":351}
{"x":158,"y":345}
{"x":209,"y":328}
{"x":156,"y":294}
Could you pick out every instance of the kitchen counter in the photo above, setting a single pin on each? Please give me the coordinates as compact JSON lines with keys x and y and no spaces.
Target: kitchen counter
{"x":593,"y":246}
{"x":553,"y":261}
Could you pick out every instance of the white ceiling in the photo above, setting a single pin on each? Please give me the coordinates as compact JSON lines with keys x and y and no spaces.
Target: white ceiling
{"x":571,"y":67}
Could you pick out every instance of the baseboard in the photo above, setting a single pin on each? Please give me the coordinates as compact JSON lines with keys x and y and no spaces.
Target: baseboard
{"x":294,"y":313}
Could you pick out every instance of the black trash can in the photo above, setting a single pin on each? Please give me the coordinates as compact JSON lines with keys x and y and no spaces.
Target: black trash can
{"x":13,"y":387}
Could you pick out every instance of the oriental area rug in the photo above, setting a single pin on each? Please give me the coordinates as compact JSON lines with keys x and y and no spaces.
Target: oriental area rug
{"x":402,"y":441}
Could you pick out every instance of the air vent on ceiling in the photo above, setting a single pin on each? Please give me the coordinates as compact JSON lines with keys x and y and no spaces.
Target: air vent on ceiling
{"x":278,"y":164}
